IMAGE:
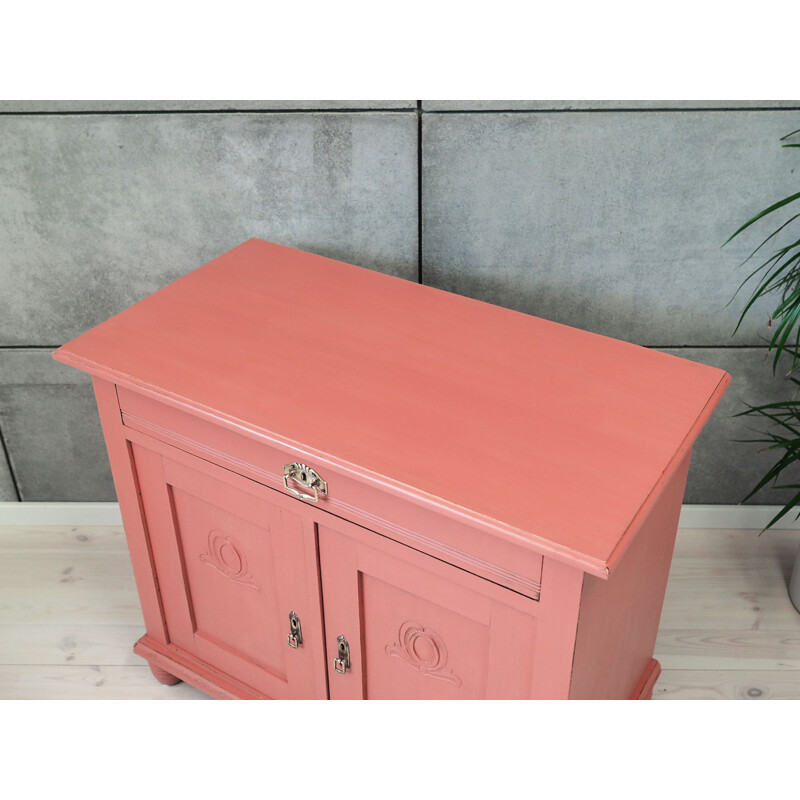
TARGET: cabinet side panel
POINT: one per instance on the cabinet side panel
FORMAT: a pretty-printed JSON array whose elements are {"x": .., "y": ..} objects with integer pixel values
[
  {"x": 618, "y": 620},
  {"x": 133, "y": 520}
]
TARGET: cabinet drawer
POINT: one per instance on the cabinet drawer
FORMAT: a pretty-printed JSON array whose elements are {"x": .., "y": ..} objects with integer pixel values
[{"x": 350, "y": 495}]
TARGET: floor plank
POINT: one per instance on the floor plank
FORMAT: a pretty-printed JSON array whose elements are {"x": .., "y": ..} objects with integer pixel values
[
  {"x": 70, "y": 538},
  {"x": 710, "y": 684},
  {"x": 734, "y": 609},
  {"x": 69, "y": 644},
  {"x": 84, "y": 682},
  {"x": 695, "y": 649},
  {"x": 718, "y": 544},
  {"x": 72, "y": 583}
]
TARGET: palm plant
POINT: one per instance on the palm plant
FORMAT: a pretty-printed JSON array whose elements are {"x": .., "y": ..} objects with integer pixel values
[{"x": 779, "y": 275}]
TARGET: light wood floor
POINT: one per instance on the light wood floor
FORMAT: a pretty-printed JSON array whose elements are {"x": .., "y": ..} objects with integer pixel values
[{"x": 69, "y": 615}]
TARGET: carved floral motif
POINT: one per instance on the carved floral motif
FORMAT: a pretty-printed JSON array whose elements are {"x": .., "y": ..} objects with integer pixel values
[
  {"x": 424, "y": 650},
  {"x": 226, "y": 557}
]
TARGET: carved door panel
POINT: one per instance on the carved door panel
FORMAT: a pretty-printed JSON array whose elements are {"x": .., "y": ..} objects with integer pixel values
[
  {"x": 418, "y": 628},
  {"x": 231, "y": 567}
]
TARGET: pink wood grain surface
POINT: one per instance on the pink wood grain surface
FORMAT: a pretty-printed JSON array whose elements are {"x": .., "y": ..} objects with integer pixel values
[
  {"x": 560, "y": 603},
  {"x": 619, "y": 618},
  {"x": 514, "y": 563},
  {"x": 421, "y": 629},
  {"x": 558, "y": 434},
  {"x": 231, "y": 567},
  {"x": 509, "y": 645},
  {"x": 127, "y": 488}
]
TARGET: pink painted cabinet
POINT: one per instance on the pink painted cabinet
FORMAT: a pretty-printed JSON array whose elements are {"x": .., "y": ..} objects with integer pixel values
[{"x": 335, "y": 483}]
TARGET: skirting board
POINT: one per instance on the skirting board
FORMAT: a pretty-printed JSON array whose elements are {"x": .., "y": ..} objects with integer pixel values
[
  {"x": 736, "y": 517},
  {"x": 692, "y": 516},
  {"x": 60, "y": 514}
]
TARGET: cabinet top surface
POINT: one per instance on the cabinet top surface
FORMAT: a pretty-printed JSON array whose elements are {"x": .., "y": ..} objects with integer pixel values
[{"x": 550, "y": 431}]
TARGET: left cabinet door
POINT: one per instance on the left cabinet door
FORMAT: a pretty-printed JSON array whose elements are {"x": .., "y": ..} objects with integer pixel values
[{"x": 231, "y": 568}]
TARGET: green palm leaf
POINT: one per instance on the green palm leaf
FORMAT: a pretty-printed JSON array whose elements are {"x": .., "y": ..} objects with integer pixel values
[
  {"x": 778, "y": 275},
  {"x": 774, "y": 207}
]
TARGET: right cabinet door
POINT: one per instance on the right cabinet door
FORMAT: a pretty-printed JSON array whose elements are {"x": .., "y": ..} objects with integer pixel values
[{"x": 418, "y": 628}]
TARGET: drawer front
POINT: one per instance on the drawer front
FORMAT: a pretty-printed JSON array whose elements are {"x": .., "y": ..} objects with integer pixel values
[{"x": 349, "y": 495}]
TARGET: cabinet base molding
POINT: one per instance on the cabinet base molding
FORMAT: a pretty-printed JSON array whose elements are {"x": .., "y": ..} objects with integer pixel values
[
  {"x": 644, "y": 689},
  {"x": 166, "y": 664},
  {"x": 185, "y": 668}
]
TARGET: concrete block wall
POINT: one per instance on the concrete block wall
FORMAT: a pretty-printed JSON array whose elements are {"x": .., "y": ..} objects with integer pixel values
[{"x": 603, "y": 215}]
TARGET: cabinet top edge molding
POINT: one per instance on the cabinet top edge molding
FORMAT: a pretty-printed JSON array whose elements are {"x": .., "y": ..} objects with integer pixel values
[{"x": 558, "y": 434}]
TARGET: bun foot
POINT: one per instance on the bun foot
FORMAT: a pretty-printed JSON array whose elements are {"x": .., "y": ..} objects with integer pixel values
[
  {"x": 644, "y": 691},
  {"x": 162, "y": 676}
]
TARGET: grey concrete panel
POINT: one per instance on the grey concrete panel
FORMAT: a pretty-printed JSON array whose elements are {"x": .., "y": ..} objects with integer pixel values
[
  {"x": 100, "y": 211},
  {"x": 608, "y": 222},
  {"x": 52, "y": 430},
  {"x": 75, "y": 106},
  {"x": 601, "y": 105},
  {"x": 7, "y": 490},
  {"x": 723, "y": 469}
]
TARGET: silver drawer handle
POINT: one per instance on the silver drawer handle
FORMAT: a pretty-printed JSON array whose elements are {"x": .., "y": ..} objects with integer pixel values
[{"x": 306, "y": 477}]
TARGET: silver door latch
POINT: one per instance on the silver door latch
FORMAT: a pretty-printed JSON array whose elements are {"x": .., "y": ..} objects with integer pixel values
[
  {"x": 342, "y": 663},
  {"x": 295, "y": 636}
]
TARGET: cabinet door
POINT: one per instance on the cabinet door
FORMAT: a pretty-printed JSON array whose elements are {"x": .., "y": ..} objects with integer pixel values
[
  {"x": 231, "y": 567},
  {"x": 418, "y": 628}
]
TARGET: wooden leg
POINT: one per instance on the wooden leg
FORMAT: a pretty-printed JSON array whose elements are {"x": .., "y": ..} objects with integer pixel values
[
  {"x": 644, "y": 691},
  {"x": 162, "y": 676}
]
